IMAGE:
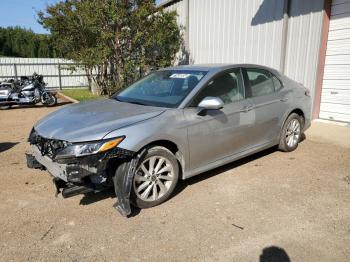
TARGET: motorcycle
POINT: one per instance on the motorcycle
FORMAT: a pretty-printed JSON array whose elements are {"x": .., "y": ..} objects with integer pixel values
[{"x": 26, "y": 91}]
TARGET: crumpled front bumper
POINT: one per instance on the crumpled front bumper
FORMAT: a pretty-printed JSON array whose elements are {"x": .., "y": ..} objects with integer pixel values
[
  {"x": 36, "y": 160},
  {"x": 76, "y": 169},
  {"x": 86, "y": 174}
]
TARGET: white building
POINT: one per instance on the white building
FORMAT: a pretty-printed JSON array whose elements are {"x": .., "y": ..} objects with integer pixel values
[{"x": 308, "y": 40}]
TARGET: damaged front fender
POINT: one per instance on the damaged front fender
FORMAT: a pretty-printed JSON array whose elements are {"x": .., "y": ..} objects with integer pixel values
[
  {"x": 123, "y": 180},
  {"x": 79, "y": 174}
]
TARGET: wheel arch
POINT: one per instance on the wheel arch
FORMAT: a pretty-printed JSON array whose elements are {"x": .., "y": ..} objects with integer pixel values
[
  {"x": 299, "y": 112},
  {"x": 173, "y": 148}
]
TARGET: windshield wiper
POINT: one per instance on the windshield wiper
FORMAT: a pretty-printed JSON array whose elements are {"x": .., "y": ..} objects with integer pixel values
[
  {"x": 131, "y": 102},
  {"x": 135, "y": 102},
  {"x": 116, "y": 98}
]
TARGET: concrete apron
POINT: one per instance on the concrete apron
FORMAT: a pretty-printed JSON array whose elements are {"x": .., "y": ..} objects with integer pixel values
[{"x": 324, "y": 131}]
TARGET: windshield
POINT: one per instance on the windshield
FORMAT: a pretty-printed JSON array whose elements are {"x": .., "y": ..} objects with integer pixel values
[{"x": 166, "y": 88}]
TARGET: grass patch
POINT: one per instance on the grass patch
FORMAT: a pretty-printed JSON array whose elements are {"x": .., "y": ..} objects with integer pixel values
[{"x": 80, "y": 94}]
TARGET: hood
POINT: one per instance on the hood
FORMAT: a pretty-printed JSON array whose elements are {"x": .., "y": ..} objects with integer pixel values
[{"x": 88, "y": 121}]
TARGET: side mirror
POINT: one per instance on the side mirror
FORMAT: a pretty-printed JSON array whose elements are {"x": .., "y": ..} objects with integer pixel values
[{"x": 211, "y": 102}]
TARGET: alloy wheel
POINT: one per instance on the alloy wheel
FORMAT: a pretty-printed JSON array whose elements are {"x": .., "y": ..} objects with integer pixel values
[
  {"x": 293, "y": 133},
  {"x": 153, "y": 178}
]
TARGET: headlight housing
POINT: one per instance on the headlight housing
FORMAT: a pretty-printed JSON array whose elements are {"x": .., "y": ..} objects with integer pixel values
[{"x": 89, "y": 148}]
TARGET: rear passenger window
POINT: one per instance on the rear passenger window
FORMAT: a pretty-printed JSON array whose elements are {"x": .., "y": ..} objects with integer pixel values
[{"x": 261, "y": 82}]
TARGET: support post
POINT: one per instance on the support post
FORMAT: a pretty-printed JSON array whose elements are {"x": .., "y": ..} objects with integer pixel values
[
  {"x": 321, "y": 59},
  {"x": 59, "y": 76},
  {"x": 187, "y": 25},
  {"x": 286, "y": 11},
  {"x": 187, "y": 32},
  {"x": 15, "y": 71}
]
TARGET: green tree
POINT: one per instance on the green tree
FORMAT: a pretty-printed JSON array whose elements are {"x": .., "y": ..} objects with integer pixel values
[
  {"x": 19, "y": 42},
  {"x": 117, "y": 41}
]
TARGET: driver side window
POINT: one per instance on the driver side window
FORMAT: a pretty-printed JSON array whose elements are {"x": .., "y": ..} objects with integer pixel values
[{"x": 227, "y": 86}]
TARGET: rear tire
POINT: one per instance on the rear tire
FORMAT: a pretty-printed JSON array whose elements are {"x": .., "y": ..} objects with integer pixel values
[
  {"x": 291, "y": 133},
  {"x": 156, "y": 177},
  {"x": 51, "y": 100}
]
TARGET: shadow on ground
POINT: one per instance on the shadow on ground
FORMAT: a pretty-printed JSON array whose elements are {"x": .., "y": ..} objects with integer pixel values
[
  {"x": 274, "y": 254},
  {"x": 91, "y": 198},
  {"x": 182, "y": 184},
  {"x": 6, "y": 146}
]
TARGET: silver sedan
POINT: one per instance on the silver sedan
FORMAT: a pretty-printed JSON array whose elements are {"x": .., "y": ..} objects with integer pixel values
[{"x": 173, "y": 124}]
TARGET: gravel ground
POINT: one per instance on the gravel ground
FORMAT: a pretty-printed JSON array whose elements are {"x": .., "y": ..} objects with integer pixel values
[{"x": 273, "y": 204}]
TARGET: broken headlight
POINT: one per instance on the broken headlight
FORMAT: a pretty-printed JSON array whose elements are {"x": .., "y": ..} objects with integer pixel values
[{"x": 89, "y": 148}]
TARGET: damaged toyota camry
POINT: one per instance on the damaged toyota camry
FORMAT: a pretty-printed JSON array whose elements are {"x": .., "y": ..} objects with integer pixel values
[{"x": 170, "y": 125}]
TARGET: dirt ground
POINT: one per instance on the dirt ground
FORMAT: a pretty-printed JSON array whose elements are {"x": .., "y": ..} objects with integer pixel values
[{"x": 292, "y": 206}]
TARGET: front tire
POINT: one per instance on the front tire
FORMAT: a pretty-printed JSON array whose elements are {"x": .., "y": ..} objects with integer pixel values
[
  {"x": 291, "y": 133},
  {"x": 155, "y": 179}
]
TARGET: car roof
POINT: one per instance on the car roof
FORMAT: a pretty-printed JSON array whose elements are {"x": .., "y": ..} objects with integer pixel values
[{"x": 217, "y": 67}]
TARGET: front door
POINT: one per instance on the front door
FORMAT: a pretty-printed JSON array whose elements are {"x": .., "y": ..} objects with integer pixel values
[{"x": 216, "y": 134}]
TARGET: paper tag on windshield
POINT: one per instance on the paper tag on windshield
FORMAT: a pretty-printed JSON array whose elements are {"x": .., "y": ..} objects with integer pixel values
[{"x": 180, "y": 75}]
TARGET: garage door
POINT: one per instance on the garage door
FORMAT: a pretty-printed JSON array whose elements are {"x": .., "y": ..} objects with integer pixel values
[{"x": 335, "y": 99}]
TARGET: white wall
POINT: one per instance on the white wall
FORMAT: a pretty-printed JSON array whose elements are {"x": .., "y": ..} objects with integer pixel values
[
  {"x": 250, "y": 31},
  {"x": 223, "y": 31},
  {"x": 303, "y": 42}
]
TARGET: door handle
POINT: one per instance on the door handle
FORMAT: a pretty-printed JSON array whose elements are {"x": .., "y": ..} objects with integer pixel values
[
  {"x": 284, "y": 99},
  {"x": 247, "y": 108}
]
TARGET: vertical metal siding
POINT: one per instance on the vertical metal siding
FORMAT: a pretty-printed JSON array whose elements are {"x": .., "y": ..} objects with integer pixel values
[
  {"x": 303, "y": 41},
  {"x": 335, "y": 98},
  {"x": 222, "y": 31},
  {"x": 179, "y": 7}
]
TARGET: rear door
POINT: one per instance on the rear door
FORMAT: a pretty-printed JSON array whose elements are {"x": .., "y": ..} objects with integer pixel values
[{"x": 270, "y": 104}]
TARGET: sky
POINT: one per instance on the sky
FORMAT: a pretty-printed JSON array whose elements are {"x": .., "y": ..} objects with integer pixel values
[{"x": 24, "y": 13}]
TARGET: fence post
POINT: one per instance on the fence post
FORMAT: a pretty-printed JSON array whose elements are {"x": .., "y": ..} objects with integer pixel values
[
  {"x": 59, "y": 76},
  {"x": 15, "y": 71}
]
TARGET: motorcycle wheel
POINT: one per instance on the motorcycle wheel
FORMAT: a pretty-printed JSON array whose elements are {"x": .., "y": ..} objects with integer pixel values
[
  {"x": 5, "y": 107},
  {"x": 50, "y": 100}
]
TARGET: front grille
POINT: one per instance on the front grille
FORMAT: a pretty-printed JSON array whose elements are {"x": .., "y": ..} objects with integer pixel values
[{"x": 47, "y": 146}]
